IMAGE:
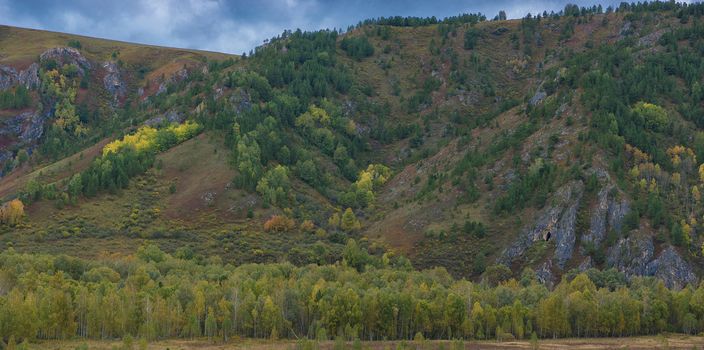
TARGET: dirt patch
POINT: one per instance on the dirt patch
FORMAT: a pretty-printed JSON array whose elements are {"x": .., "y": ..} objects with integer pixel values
[{"x": 200, "y": 176}]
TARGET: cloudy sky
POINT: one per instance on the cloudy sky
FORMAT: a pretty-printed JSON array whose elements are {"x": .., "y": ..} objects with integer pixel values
[{"x": 234, "y": 26}]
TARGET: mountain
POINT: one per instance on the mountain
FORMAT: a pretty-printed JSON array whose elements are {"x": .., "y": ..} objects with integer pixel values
[
  {"x": 409, "y": 178},
  {"x": 558, "y": 143}
]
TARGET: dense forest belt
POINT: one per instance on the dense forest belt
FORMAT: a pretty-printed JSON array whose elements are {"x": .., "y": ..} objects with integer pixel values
[{"x": 154, "y": 295}]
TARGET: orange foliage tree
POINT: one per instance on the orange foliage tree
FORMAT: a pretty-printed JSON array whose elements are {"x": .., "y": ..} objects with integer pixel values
[
  {"x": 12, "y": 212},
  {"x": 279, "y": 223}
]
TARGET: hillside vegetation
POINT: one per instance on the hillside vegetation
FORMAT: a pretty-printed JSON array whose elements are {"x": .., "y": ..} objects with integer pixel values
[{"x": 531, "y": 168}]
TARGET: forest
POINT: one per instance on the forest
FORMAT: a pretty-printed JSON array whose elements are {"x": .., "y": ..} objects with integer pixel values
[{"x": 155, "y": 295}]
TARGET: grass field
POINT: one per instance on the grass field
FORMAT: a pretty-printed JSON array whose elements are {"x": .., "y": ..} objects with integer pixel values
[{"x": 660, "y": 342}]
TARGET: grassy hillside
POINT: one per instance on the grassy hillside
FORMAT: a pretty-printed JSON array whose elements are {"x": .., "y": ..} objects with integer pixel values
[
  {"x": 21, "y": 47},
  {"x": 410, "y": 178},
  {"x": 483, "y": 125}
]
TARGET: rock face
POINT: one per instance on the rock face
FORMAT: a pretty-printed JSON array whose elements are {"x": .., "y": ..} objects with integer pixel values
[
  {"x": 8, "y": 77},
  {"x": 650, "y": 39},
  {"x": 586, "y": 264},
  {"x": 113, "y": 82},
  {"x": 208, "y": 198},
  {"x": 634, "y": 257},
  {"x": 66, "y": 55},
  {"x": 597, "y": 223},
  {"x": 33, "y": 128},
  {"x": 671, "y": 269},
  {"x": 626, "y": 29},
  {"x": 24, "y": 130},
  {"x": 241, "y": 101},
  {"x": 555, "y": 223},
  {"x": 631, "y": 255},
  {"x": 618, "y": 208},
  {"x": 28, "y": 127},
  {"x": 565, "y": 230},
  {"x": 544, "y": 274},
  {"x": 608, "y": 215},
  {"x": 538, "y": 97},
  {"x": 170, "y": 116},
  {"x": 179, "y": 76},
  {"x": 29, "y": 77}
]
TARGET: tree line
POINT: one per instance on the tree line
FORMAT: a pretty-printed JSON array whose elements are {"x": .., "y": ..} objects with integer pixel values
[
  {"x": 154, "y": 295},
  {"x": 120, "y": 161}
]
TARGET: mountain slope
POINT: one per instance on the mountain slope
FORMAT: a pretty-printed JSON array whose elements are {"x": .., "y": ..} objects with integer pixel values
[{"x": 554, "y": 143}]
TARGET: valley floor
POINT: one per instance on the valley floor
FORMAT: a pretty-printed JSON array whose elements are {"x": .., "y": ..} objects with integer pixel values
[{"x": 631, "y": 343}]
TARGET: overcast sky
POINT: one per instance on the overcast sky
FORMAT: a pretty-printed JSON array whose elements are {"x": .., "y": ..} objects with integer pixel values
[{"x": 235, "y": 26}]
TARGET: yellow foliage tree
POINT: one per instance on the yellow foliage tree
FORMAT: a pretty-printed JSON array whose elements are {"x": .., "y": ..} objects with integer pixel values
[
  {"x": 349, "y": 221},
  {"x": 12, "y": 212},
  {"x": 687, "y": 233},
  {"x": 315, "y": 116},
  {"x": 145, "y": 138},
  {"x": 334, "y": 220},
  {"x": 307, "y": 226},
  {"x": 695, "y": 193}
]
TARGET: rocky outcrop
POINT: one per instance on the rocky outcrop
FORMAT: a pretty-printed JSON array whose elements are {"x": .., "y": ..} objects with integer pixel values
[
  {"x": 586, "y": 264},
  {"x": 607, "y": 215},
  {"x": 538, "y": 97},
  {"x": 597, "y": 223},
  {"x": 33, "y": 128},
  {"x": 544, "y": 274},
  {"x": 557, "y": 223},
  {"x": 113, "y": 82},
  {"x": 626, "y": 29},
  {"x": 29, "y": 77},
  {"x": 170, "y": 117},
  {"x": 633, "y": 256},
  {"x": 208, "y": 198},
  {"x": 349, "y": 108},
  {"x": 8, "y": 77},
  {"x": 66, "y": 55},
  {"x": 219, "y": 93},
  {"x": 611, "y": 207},
  {"x": 23, "y": 130},
  {"x": 468, "y": 98},
  {"x": 179, "y": 76},
  {"x": 5, "y": 156},
  {"x": 241, "y": 101},
  {"x": 161, "y": 89},
  {"x": 671, "y": 269},
  {"x": 565, "y": 231},
  {"x": 27, "y": 127},
  {"x": 618, "y": 208},
  {"x": 650, "y": 39},
  {"x": 13, "y": 126}
]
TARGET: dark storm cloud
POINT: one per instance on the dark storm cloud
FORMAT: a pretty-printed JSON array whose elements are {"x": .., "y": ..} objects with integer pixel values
[{"x": 232, "y": 26}]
